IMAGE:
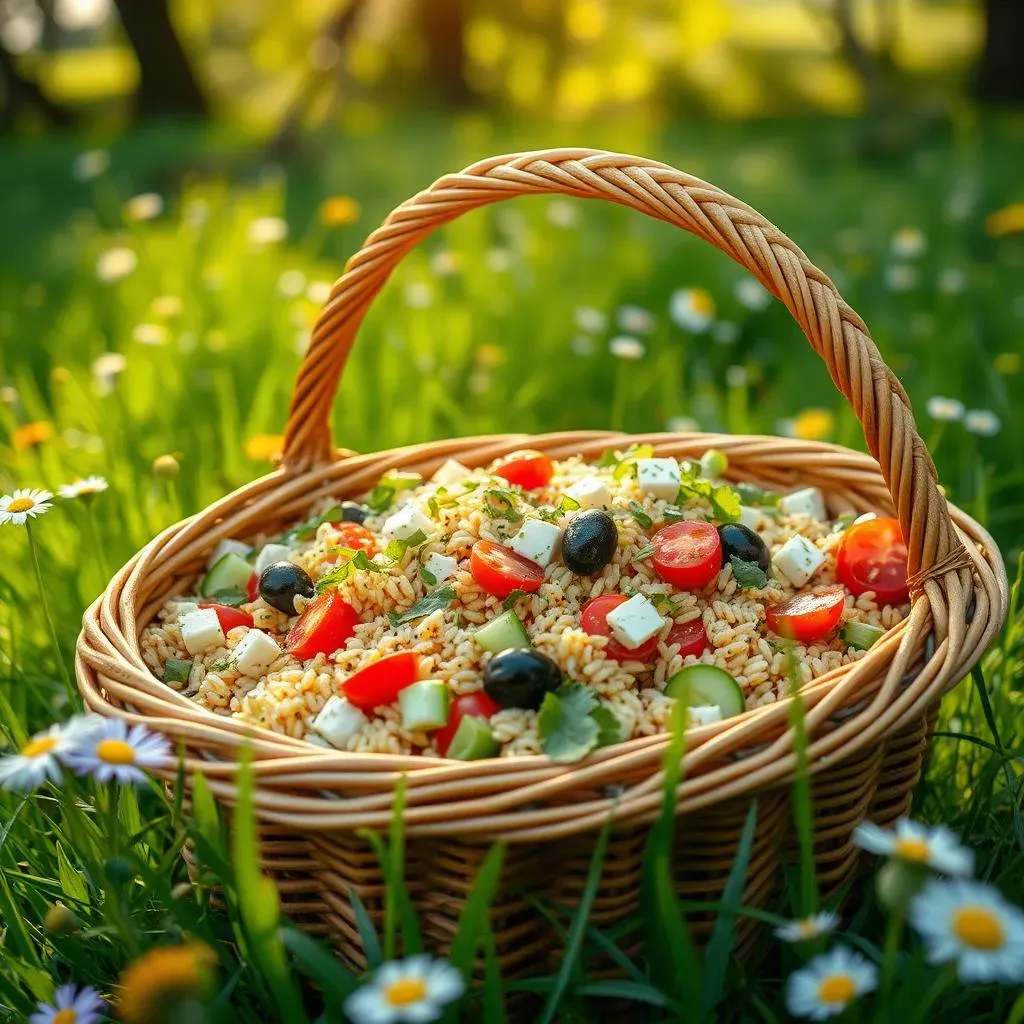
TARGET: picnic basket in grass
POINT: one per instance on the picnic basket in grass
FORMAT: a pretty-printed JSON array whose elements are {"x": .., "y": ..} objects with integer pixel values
[{"x": 868, "y": 723}]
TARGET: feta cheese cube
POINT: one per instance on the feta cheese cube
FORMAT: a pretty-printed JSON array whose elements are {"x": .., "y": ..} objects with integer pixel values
[
  {"x": 201, "y": 629},
  {"x": 808, "y": 502},
  {"x": 255, "y": 653},
  {"x": 406, "y": 523},
  {"x": 339, "y": 721},
  {"x": 536, "y": 540},
  {"x": 635, "y": 621},
  {"x": 658, "y": 477},
  {"x": 440, "y": 566},
  {"x": 751, "y": 518},
  {"x": 590, "y": 492},
  {"x": 183, "y": 608},
  {"x": 450, "y": 472},
  {"x": 798, "y": 560},
  {"x": 270, "y": 554},
  {"x": 227, "y": 547},
  {"x": 705, "y": 714}
]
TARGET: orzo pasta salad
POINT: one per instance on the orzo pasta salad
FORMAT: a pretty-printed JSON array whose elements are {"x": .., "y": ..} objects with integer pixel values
[{"x": 531, "y": 606}]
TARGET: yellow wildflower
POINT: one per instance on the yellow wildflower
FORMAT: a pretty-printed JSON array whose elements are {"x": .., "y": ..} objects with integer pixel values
[
  {"x": 264, "y": 447},
  {"x": 31, "y": 435},
  {"x": 152, "y": 988},
  {"x": 814, "y": 424},
  {"x": 337, "y": 211},
  {"x": 1008, "y": 363},
  {"x": 1007, "y": 221}
]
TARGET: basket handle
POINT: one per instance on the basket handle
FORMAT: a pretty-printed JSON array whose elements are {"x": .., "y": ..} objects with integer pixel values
[{"x": 834, "y": 330}]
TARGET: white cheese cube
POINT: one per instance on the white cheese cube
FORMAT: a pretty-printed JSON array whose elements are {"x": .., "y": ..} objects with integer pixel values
[
  {"x": 406, "y": 523},
  {"x": 705, "y": 714},
  {"x": 537, "y": 541},
  {"x": 183, "y": 608},
  {"x": 201, "y": 629},
  {"x": 450, "y": 472},
  {"x": 339, "y": 721},
  {"x": 798, "y": 560},
  {"x": 270, "y": 554},
  {"x": 440, "y": 566},
  {"x": 634, "y": 622},
  {"x": 751, "y": 518},
  {"x": 658, "y": 477},
  {"x": 590, "y": 492},
  {"x": 227, "y": 547},
  {"x": 255, "y": 653},
  {"x": 808, "y": 502}
]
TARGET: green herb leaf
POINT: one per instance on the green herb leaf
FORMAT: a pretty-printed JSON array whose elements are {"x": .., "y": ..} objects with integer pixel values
[
  {"x": 230, "y": 596},
  {"x": 749, "y": 575},
  {"x": 547, "y": 513},
  {"x": 427, "y": 576},
  {"x": 640, "y": 515},
  {"x": 567, "y": 730},
  {"x": 424, "y": 606},
  {"x": 645, "y": 552},
  {"x": 673, "y": 514},
  {"x": 751, "y": 494},
  {"x": 609, "y": 727},
  {"x": 501, "y": 504},
  {"x": 665, "y": 603},
  {"x": 845, "y": 520},
  {"x": 382, "y": 497},
  {"x": 628, "y": 463},
  {"x": 176, "y": 670},
  {"x": 397, "y": 548},
  {"x": 567, "y": 504},
  {"x": 307, "y": 530},
  {"x": 510, "y": 601},
  {"x": 724, "y": 500},
  {"x": 333, "y": 578}
]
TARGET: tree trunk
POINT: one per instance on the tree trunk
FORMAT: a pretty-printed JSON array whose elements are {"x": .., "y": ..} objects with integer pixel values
[
  {"x": 442, "y": 24},
  {"x": 167, "y": 84},
  {"x": 1000, "y": 76},
  {"x": 21, "y": 93}
]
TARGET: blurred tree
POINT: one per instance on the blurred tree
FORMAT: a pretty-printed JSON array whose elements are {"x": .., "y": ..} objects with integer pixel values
[
  {"x": 20, "y": 95},
  {"x": 1000, "y": 76},
  {"x": 442, "y": 26}
]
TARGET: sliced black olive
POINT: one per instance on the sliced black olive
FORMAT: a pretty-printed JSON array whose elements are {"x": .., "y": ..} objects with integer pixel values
[
  {"x": 353, "y": 512},
  {"x": 589, "y": 542},
  {"x": 282, "y": 582},
  {"x": 521, "y": 678},
  {"x": 745, "y": 544}
]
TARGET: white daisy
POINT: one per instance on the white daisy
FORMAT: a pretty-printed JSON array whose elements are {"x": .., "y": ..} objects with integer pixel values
[
  {"x": 812, "y": 927},
  {"x": 635, "y": 320},
  {"x": 445, "y": 263},
  {"x": 947, "y": 410},
  {"x": 83, "y": 488},
  {"x": 829, "y": 984},
  {"x": 166, "y": 306},
  {"x": 418, "y": 295},
  {"x": 416, "y": 989},
  {"x": 974, "y": 925},
  {"x": 319, "y": 292},
  {"x": 901, "y": 277},
  {"x": 150, "y": 334},
  {"x": 146, "y": 206},
  {"x": 693, "y": 309},
  {"x": 908, "y": 243},
  {"x": 935, "y": 847},
  {"x": 590, "y": 320},
  {"x": 115, "y": 751},
  {"x": 625, "y": 347},
  {"x": 268, "y": 230},
  {"x": 24, "y": 503},
  {"x": 116, "y": 263},
  {"x": 36, "y": 762},
  {"x": 982, "y": 422},
  {"x": 71, "y": 1005},
  {"x": 562, "y": 213},
  {"x": 291, "y": 283},
  {"x": 752, "y": 294},
  {"x": 90, "y": 164}
]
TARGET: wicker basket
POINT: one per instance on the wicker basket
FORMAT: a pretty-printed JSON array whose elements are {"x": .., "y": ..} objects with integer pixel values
[{"x": 868, "y": 722}]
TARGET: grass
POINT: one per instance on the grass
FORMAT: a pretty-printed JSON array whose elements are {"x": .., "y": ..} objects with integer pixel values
[{"x": 476, "y": 333}]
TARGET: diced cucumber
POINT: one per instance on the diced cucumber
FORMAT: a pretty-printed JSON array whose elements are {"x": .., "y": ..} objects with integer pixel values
[
  {"x": 861, "y": 635},
  {"x": 501, "y": 633},
  {"x": 705, "y": 685},
  {"x": 473, "y": 740},
  {"x": 176, "y": 670},
  {"x": 424, "y": 705},
  {"x": 230, "y": 571}
]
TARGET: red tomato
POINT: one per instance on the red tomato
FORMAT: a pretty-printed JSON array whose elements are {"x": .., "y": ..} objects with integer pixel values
[
  {"x": 872, "y": 556},
  {"x": 528, "y": 470},
  {"x": 252, "y": 588},
  {"x": 499, "y": 570},
  {"x": 355, "y": 536},
  {"x": 687, "y": 554},
  {"x": 594, "y": 620},
  {"x": 470, "y": 705},
  {"x": 379, "y": 683},
  {"x": 227, "y": 616},
  {"x": 691, "y": 637},
  {"x": 323, "y": 627},
  {"x": 807, "y": 616}
]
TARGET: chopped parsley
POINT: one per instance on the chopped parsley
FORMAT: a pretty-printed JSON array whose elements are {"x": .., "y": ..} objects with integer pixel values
[
  {"x": 501, "y": 504},
  {"x": 571, "y": 723},
  {"x": 645, "y": 552},
  {"x": 397, "y": 548},
  {"x": 357, "y": 559},
  {"x": 748, "y": 575},
  {"x": 230, "y": 596},
  {"x": 723, "y": 499},
  {"x": 427, "y": 576},
  {"x": 424, "y": 606},
  {"x": 510, "y": 601},
  {"x": 640, "y": 515},
  {"x": 627, "y": 465},
  {"x": 751, "y": 494},
  {"x": 307, "y": 530},
  {"x": 177, "y": 671}
]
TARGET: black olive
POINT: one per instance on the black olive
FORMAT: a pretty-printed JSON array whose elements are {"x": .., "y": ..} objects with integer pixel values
[
  {"x": 519, "y": 678},
  {"x": 353, "y": 512},
  {"x": 282, "y": 582},
  {"x": 589, "y": 541},
  {"x": 747, "y": 546}
]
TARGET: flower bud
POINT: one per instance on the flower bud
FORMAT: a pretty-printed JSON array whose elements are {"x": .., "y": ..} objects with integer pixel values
[
  {"x": 60, "y": 921},
  {"x": 166, "y": 466}
]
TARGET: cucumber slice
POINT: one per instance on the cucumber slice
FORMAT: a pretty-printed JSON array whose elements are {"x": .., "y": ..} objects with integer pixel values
[
  {"x": 501, "y": 633},
  {"x": 473, "y": 740},
  {"x": 861, "y": 635},
  {"x": 424, "y": 705},
  {"x": 176, "y": 670},
  {"x": 230, "y": 571},
  {"x": 704, "y": 685}
]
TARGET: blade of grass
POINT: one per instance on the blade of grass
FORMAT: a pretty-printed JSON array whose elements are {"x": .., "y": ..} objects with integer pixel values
[
  {"x": 367, "y": 933},
  {"x": 803, "y": 811},
  {"x": 474, "y": 917}
]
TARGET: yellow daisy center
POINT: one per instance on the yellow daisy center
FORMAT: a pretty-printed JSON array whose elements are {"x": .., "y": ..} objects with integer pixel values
[
  {"x": 405, "y": 991},
  {"x": 916, "y": 850},
  {"x": 837, "y": 989},
  {"x": 115, "y": 752},
  {"x": 807, "y": 928},
  {"x": 702, "y": 303},
  {"x": 39, "y": 747},
  {"x": 65, "y": 1017},
  {"x": 21, "y": 505},
  {"x": 979, "y": 928}
]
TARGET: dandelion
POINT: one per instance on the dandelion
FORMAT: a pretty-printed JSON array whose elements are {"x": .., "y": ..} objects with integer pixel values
[
  {"x": 268, "y": 230},
  {"x": 973, "y": 925},
  {"x": 934, "y": 847},
  {"x": 982, "y": 422},
  {"x": 154, "y": 985},
  {"x": 146, "y": 206},
  {"x": 24, "y": 504},
  {"x": 71, "y": 1005},
  {"x": 752, "y": 294},
  {"x": 38, "y": 760},
  {"x": 693, "y": 309},
  {"x": 264, "y": 447},
  {"x": 150, "y": 334},
  {"x": 90, "y": 164},
  {"x": 582, "y": 345},
  {"x": 115, "y": 751},
  {"x": 562, "y": 214},
  {"x": 418, "y": 295},
  {"x": 415, "y": 989},
  {"x": 590, "y": 320},
  {"x": 1008, "y": 363},
  {"x": 116, "y": 263},
  {"x": 31, "y": 435},
  {"x": 812, "y": 927},
  {"x": 1007, "y": 221},
  {"x": 319, "y": 292},
  {"x": 339, "y": 211},
  {"x": 165, "y": 307},
  {"x": 635, "y": 320},
  {"x": 908, "y": 243},
  {"x": 952, "y": 281},
  {"x": 624, "y": 347},
  {"x": 87, "y": 488},
  {"x": 444, "y": 262},
  {"x": 291, "y": 283},
  {"x": 813, "y": 424},
  {"x": 901, "y": 277},
  {"x": 829, "y": 984}
]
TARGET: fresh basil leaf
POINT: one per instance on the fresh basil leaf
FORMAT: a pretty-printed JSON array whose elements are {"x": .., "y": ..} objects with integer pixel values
[
  {"x": 501, "y": 504},
  {"x": 566, "y": 728},
  {"x": 230, "y": 596},
  {"x": 665, "y": 603},
  {"x": 176, "y": 670},
  {"x": 510, "y": 601},
  {"x": 397, "y": 548},
  {"x": 640, "y": 515},
  {"x": 628, "y": 463},
  {"x": 609, "y": 727},
  {"x": 361, "y": 560},
  {"x": 424, "y": 606},
  {"x": 608, "y": 459},
  {"x": 307, "y": 530},
  {"x": 645, "y": 552},
  {"x": 382, "y": 497},
  {"x": 723, "y": 499},
  {"x": 567, "y": 504},
  {"x": 751, "y": 494},
  {"x": 427, "y": 576},
  {"x": 749, "y": 575},
  {"x": 333, "y": 578}
]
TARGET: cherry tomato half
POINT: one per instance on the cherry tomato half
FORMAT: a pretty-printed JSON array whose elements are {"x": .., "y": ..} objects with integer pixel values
[
  {"x": 873, "y": 556},
  {"x": 687, "y": 554},
  {"x": 529, "y": 470},
  {"x": 252, "y": 588},
  {"x": 227, "y": 616},
  {"x": 691, "y": 637},
  {"x": 594, "y": 620},
  {"x": 807, "y": 616},
  {"x": 499, "y": 570},
  {"x": 355, "y": 536},
  {"x": 469, "y": 705},
  {"x": 379, "y": 683},
  {"x": 323, "y": 627}
]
